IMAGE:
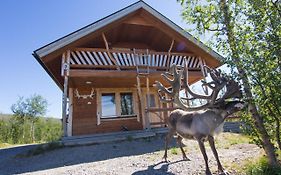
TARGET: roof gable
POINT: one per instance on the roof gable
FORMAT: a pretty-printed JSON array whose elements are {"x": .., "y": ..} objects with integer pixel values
[{"x": 72, "y": 37}]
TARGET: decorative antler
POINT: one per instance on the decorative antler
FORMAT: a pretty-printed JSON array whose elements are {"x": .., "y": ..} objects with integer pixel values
[
  {"x": 178, "y": 80},
  {"x": 91, "y": 95}
]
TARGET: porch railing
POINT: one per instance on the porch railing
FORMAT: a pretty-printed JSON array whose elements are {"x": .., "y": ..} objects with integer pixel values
[{"x": 110, "y": 59}]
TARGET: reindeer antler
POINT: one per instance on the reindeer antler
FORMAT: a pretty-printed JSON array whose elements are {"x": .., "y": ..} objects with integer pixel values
[{"x": 178, "y": 80}]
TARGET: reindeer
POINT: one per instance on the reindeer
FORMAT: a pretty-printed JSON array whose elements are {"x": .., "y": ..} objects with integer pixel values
[{"x": 201, "y": 122}]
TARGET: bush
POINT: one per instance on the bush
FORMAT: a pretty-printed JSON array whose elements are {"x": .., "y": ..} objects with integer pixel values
[
  {"x": 13, "y": 131},
  {"x": 262, "y": 167}
]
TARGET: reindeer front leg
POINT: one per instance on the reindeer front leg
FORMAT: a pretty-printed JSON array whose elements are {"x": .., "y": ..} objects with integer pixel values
[
  {"x": 203, "y": 151},
  {"x": 212, "y": 144}
]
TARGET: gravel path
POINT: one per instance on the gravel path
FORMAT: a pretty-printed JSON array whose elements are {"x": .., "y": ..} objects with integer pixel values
[{"x": 136, "y": 157}]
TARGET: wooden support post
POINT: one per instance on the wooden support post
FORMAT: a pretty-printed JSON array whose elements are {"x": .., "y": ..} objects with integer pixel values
[
  {"x": 70, "y": 106},
  {"x": 148, "y": 103},
  {"x": 204, "y": 75},
  {"x": 169, "y": 55},
  {"x": 108, "y": 52},
  {"x": 65, "y": 91},
  {"x": 142, "y": 107}
]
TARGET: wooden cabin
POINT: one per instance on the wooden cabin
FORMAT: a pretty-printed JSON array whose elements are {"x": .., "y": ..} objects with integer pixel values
[{"x": 107, "y": 69}]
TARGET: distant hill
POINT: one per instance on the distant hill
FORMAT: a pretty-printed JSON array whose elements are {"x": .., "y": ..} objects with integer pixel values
[
  {"x": 8, "y": 116},
  {"x": 5, "y": 116}
]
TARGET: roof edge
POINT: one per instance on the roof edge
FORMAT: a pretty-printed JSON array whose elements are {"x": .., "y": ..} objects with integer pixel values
[
  {"x": 46, "y": 69},
  {"x": 63, "y": 41}
]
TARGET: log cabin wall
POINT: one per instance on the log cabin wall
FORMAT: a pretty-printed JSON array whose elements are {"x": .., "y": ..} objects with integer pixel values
[{"x": 85, "y": 119}]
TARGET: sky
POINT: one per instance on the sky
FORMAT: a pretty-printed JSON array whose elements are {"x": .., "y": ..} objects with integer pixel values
[{"x": 30, "y": 24}]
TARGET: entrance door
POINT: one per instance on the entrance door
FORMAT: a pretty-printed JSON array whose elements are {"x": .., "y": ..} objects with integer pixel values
[{"x": 155, "y": 118}]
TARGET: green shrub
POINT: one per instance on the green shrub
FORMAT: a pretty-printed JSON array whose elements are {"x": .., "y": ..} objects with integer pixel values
[
  {"x": 262, "y": 167},
  {"x": 15, "y": 131}
]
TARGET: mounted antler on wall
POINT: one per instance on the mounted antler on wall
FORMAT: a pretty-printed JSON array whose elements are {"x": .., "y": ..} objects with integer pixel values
[{"x": 85, "y": 96}]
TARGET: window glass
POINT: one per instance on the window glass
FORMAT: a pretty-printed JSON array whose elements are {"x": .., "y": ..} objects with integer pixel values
[
  {"x": 151, "y": 99},
  {"x": 108, "y": 105},
  {"x": 127, "y": 104}
]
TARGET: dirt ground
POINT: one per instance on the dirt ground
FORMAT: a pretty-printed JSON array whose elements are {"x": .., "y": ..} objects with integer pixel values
[{"x": 137, "y": 157}]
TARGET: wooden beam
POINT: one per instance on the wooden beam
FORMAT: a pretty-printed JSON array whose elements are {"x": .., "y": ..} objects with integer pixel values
[
  {"x": 148, "y": 102},
  {"x": 117, "y": 74},
  {"x": 64, "y": 97},
  {"x": 141, "y": 102},
  {"x": 169, "y": 54},
  {"x": 108, "y": 52},
  {"x": 105, "y": 41}
]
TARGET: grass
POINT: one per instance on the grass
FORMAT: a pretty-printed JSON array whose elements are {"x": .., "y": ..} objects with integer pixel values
[
  {"x": 174, "y": 150},
  {"x": 6, "y": 145},
  {"x": 261, "y": 167},
  {"x": 225, "y": 140}
]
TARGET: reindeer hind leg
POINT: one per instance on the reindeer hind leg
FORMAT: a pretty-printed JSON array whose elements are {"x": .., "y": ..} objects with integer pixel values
[
  {"x": 170, "y": 134},
  {"x": 179, "y": 140}
]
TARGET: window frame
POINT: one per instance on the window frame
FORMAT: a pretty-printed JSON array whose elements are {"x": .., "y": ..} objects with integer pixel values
[{"x": 118, "y": 115}]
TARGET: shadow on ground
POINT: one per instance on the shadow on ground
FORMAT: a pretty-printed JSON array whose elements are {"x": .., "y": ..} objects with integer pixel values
[
  {"x": 153, "y": 170},
  {"x": 68, "y": 156}
]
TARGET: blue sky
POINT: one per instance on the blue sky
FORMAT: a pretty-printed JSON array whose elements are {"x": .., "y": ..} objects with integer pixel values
[{"x": 30, "y": 24}]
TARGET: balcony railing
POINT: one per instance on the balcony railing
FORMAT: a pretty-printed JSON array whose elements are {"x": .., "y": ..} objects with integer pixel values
[{"x": 123, "y": 59}]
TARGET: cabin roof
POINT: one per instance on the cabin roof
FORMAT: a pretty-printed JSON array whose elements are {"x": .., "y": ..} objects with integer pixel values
[
  {"x": 48, "y": 55},
  {"x": 63, "y": 41}
]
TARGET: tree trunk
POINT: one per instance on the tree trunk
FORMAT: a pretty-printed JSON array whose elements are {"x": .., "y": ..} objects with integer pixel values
[{"x": 267, "y": 145}]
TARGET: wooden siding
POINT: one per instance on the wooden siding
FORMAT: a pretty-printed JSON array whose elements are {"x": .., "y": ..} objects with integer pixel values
[{"x": 84, "y": 119}]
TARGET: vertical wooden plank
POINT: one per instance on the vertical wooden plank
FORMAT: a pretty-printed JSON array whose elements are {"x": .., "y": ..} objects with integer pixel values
[
  {"x": 142, "y": 107},
  {"x": 148, "y": 103},
  {"x": 204, "y": 75},
  {"x": 64, "y": 96},
  {"x": 98, "y": 106},
  {"x": 69, "y": 119},
  {"x": 62, "y": 64}
]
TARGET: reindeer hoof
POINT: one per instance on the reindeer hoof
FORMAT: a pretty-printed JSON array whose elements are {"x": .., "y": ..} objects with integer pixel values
[
  {"x": 185, "y": 158},
  {"x": 208, "y": 172},
  {"x": 164, "y": 159}
]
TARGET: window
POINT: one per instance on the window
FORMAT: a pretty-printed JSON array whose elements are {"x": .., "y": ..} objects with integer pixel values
[
  {"x": 151, "y": 99},
  {"x": 108, "y": 105},
  {"x": 117, "y": 105},
  {"x": 127, "y": 104}
]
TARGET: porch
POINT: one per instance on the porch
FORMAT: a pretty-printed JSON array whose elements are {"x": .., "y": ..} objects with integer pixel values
[
  {"x": 121, "y": 70},
  {"x": 112, "y": 137}
]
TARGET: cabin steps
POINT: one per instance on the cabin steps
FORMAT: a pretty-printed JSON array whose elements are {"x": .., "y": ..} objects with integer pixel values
[{"x": 111, "y": 137}]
